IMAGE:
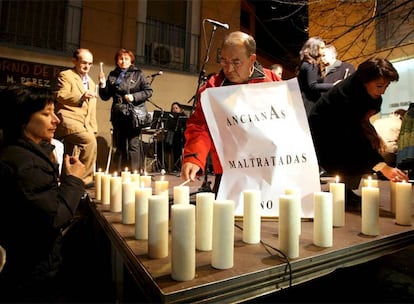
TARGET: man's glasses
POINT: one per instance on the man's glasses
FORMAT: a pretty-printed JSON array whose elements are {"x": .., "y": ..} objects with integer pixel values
[{"x": 235, "y": 63}]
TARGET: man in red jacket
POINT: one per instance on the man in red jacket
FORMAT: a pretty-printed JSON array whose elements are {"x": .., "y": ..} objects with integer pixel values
[{"x": 238, "y": 66}]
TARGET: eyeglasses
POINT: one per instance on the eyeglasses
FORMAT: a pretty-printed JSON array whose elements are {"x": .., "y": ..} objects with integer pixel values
[
  {"x": 86, "y": 63},
  {"x": 236, "y": 63}
]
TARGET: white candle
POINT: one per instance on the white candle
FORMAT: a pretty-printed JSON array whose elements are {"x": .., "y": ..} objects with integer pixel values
[
  {"x": 181, "y": 195},
  {"x": 183, "y": 242},
  {"x": 204, "y": 220},
  {"x": 322, "y": 221},
  {"x": 116, "y": 193},
  {"x": 105, "y": 194},
  {"x": 98, "y": 184},
  {"x": 338, "y": 200},
  {"x": 222, "y": 255},
  {"x": 288, "y": 228},
  {"x": 135, "y": 177},
  {"x": 370, "y": 210},
  {"x": 161, "y": 187},
  {"x": 145, "y": 181},
  {"x": 126, "y": 175},
  {"x": 392, "y": 196},
  {"x": 251, "y": 216},
  {"x": 128, "y": 202},
  {"x": 158, "y": 226},
  {"x": 369, "y": 182},
  {"x": 403, "y": 198},
  {"x": 141, "y": 212},
  {"x": 298, "y": 206}
]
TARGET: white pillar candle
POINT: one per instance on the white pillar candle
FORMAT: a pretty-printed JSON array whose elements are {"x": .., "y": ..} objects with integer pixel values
[
  {"x": 288, "y": 228},
  {"x": 141, "y": 212},
  {"x": 145, "y": 181},
  {"x": 135, "y": 177},
  {"x": 392, "y": 196},
  {"x": 98, "y": 184},
  {"x": 322, "y": 221},
  {"x": 370, "y": 211},
  {"x": 338, "y": 200},
  {"x": 403, "y": 193},
  {"x": 251, "y": 216},
  {"x": 105, "y": 193},
  {"x": 183, "y": 242},
  {"x": 222, "y": 255},
  {"x": 181, "y": 195},
  {"x": 158, "y": 226},
  {"x": 116, "y": 193},
  {"x": 298, "y": 206},
  {"x": 126, "y": 175},
  {"x": 369, "y": 182},
  {"x": 128, "y": 202},
  {"x": 204, "y": 220},
  {"x": 161, "y": 187}
]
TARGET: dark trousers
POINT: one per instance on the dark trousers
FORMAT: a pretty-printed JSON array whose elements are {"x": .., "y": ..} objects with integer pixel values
[{"x": 128, "y": 150}]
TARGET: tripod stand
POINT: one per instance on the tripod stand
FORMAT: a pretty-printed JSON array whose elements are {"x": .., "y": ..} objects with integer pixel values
[{"x": 159, "y": 132}]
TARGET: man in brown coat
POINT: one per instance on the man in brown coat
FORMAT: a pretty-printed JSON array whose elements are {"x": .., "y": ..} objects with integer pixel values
[{"x": 76, "y": 108}]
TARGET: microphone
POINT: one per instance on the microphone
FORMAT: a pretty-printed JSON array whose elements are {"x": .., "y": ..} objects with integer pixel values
[
  {"x": 156, "y": 74},
  {"x": 219, "y": 24}
]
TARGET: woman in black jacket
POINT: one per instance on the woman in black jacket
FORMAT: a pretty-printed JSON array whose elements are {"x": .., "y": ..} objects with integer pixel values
[
  {"x": 36, "y": 204},
  {"x": 126, "y": 84},
  {"x": 346, "y": 143}
]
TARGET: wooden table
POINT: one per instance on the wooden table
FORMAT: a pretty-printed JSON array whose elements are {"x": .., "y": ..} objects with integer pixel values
[{"x": 258, "y": 269}]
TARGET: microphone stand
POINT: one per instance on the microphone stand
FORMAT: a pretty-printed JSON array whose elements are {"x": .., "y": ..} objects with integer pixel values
[{"x": 206, "y": 186}]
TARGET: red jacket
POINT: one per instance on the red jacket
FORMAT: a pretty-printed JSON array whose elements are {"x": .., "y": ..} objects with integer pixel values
[{"x": 198, "y": 141}]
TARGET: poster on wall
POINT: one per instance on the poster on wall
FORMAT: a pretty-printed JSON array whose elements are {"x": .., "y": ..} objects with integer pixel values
[{"x": 13, "y": 71}]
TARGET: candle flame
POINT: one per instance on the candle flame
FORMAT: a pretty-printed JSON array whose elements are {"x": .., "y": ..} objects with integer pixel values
[
  {"x": 337, "y": 179},
  {"x": 115, "y": 173}
]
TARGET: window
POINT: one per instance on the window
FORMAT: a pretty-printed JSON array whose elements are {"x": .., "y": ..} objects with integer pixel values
[{"x": 44, "y": 24}]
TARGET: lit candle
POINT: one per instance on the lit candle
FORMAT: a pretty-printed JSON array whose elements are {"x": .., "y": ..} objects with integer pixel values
[
  {"x": 128, "y": 202},
  {"x": 141, "y": 212},
  {"x": 392, "y": 196},
  {"x": 204, "y": 220},
  {"x": 145, "y": 181},
  {"x": 251, "y": 216},
  {"x": 101, "y": 67},
  {"x": 126, "y": 175},
  {"x": 135, "y": 176},
  {"x": 181, "y": 195},
  {"x": 105, "y": 194},
  {"x": 338, "y": 200},
  {"x": 369, "y": 182},
  {"x": 298, "y": 206},
  {"x": 98, "y": 184},
  {"x": 222, "y": 254},
  {"x": 370, "y": 210},
  {"x": 322, "y": 221},
  {"x": 403, "y": 199},
  {"x": 116, "y": 193},
  {"x": 158, "y": 226},
  {"x": 183, "y": 242},
  {"x": 161, "y": 187},
  {"x": 288, "y": 228}
]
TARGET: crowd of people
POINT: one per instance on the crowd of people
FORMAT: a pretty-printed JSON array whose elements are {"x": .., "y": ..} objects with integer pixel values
[{"x": 47, "y": 189}]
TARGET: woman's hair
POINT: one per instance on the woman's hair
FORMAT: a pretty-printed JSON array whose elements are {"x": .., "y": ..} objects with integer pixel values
[
  {"x": 20, "y": 102},
  {"x": 375, "y": 68},
  {"x": 240, "y": 39},
  {"x": 124, "y": 52},
  {"x": 177, "y": 104},
  {"x": 310, "y": 50}
]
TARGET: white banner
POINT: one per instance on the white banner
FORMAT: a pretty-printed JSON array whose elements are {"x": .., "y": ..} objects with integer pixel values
[{"x": 263, "y": 140}]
